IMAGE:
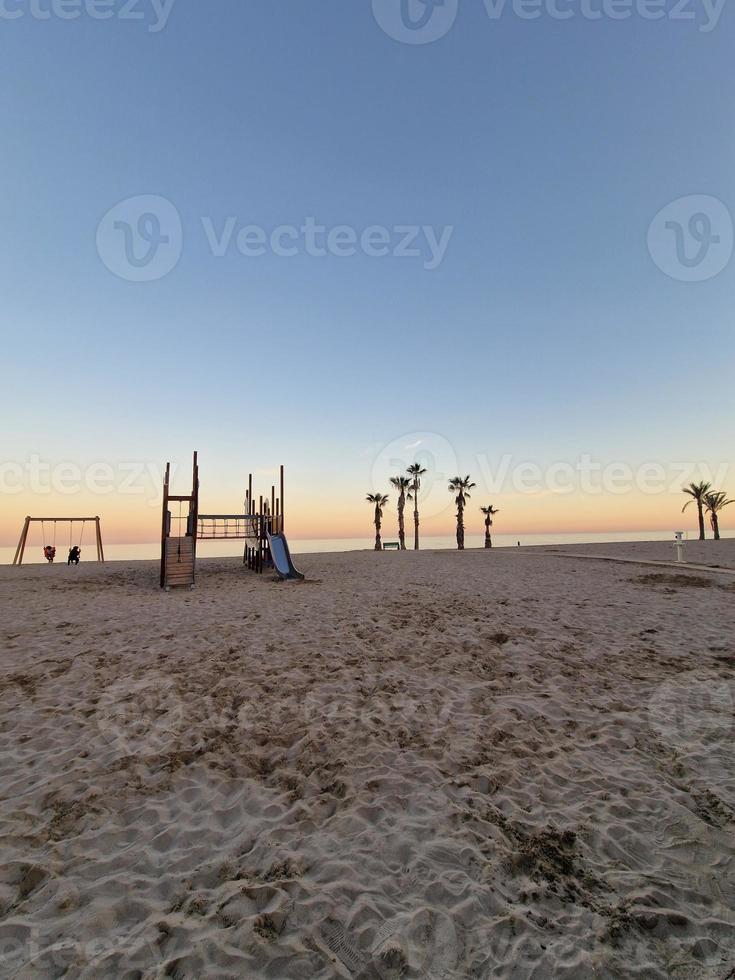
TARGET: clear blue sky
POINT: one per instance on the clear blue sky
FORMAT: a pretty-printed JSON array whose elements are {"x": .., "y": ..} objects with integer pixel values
[{"x": 546, "y": 331}]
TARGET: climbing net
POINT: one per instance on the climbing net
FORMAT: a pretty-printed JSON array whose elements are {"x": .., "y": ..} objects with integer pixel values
[{"x": 217, "y": 527}]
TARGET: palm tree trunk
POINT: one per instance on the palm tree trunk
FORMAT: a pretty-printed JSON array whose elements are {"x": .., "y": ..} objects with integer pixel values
[
  {"x": 416, "y": 515},
  {"x": 488, "y": 539},
  {"x": 715, "y": 521},
  {"x": 700, "y": 515},
  {"x": 378, "y": 543},
  {"x": 460, "y": 527},
  {"x": 401, "y": 522}
]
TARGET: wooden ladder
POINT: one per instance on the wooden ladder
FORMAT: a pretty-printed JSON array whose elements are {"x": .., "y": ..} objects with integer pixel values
[{"x": 179, "y": 561}]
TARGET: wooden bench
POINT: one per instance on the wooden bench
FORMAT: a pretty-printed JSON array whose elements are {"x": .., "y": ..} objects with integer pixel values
[{"x": 391, "y": 546}]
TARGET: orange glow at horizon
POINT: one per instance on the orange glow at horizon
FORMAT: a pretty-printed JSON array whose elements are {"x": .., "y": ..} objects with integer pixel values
[{"x": 136, "y": 519}]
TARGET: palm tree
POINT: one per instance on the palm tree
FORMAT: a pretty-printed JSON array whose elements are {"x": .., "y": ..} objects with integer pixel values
[
  {"x": 697, "y": 491},
  {"x": 714, "y": 502},
  {"x": 461, "y": 486},
  {"x": 489, "y": 511},
  {"x": 402, "y": 484},
  {"x": 380, "y": 500},
  {"x": 416, "y": 471}
]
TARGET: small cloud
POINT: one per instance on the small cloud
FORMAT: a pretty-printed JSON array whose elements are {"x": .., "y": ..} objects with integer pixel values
[{"x": 414, "y": 445}]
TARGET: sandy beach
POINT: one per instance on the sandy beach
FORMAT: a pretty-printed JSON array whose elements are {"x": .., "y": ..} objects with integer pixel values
[{"x": 511, "y": 763}]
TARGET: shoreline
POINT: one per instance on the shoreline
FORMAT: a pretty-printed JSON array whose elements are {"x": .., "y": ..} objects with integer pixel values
[
  {"x": 697, "y": 553},
  {"x": 150, "y": 551}
]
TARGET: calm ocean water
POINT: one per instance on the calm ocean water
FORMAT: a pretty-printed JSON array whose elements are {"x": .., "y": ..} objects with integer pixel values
[{"x": 220, "y": 549}]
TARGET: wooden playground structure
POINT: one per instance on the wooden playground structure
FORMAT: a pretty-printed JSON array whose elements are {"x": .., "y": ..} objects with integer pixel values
[
  {"x": 257, "y": 526},
  {"x": 71, "y": 521}
]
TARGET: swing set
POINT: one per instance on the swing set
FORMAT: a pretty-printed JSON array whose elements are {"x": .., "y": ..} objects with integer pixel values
[{"x": 71, "y": 521}]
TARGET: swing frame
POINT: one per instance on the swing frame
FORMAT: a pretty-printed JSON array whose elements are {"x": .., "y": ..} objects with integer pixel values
[{"x": 71, "y": 521}]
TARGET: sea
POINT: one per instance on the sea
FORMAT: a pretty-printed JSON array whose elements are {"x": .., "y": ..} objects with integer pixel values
[{"x": 300, "y": 546}]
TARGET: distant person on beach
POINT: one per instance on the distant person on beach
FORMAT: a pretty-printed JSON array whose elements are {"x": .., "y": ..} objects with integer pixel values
[
  {"x": 74, "y": 555},
  {"x": 49, "y": 553},
  {"x": 519, "y": 544}
]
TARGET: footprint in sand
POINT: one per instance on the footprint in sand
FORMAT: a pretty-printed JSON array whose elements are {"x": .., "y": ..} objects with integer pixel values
[{"x": 425, "y": 942}]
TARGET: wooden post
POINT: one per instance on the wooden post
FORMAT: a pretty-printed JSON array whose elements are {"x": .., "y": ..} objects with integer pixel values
[
  {"x": 100, "y": 550},
  {"x": 283, "y": 506},
  {"x": 18, "y": 559},
  {"x": 194, "y": 511},
  {"x": 260, "y": 534},
  {"x": 163, "y": 524}
]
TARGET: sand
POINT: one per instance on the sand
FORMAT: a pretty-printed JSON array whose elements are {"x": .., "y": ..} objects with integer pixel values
[{"x": 491, "y": 764}]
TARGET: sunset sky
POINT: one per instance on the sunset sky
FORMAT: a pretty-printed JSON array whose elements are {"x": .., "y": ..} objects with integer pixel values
[{"x": 544, "y": 333}]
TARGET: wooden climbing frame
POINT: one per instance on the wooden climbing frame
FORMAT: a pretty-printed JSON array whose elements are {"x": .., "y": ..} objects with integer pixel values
[{"x": 253, "y": 525}]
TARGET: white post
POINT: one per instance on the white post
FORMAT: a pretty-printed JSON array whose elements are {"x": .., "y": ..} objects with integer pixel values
[{"x": 679, "y": 545}]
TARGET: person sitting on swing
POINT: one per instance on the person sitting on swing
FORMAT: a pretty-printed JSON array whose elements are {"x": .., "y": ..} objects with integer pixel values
[
  {"x": 49, "y": 553},
  {"x": 74, "y": 555}
]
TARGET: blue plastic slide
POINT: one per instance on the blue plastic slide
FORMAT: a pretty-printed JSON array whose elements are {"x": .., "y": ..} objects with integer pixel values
[{"x": 282, "y": 557}]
